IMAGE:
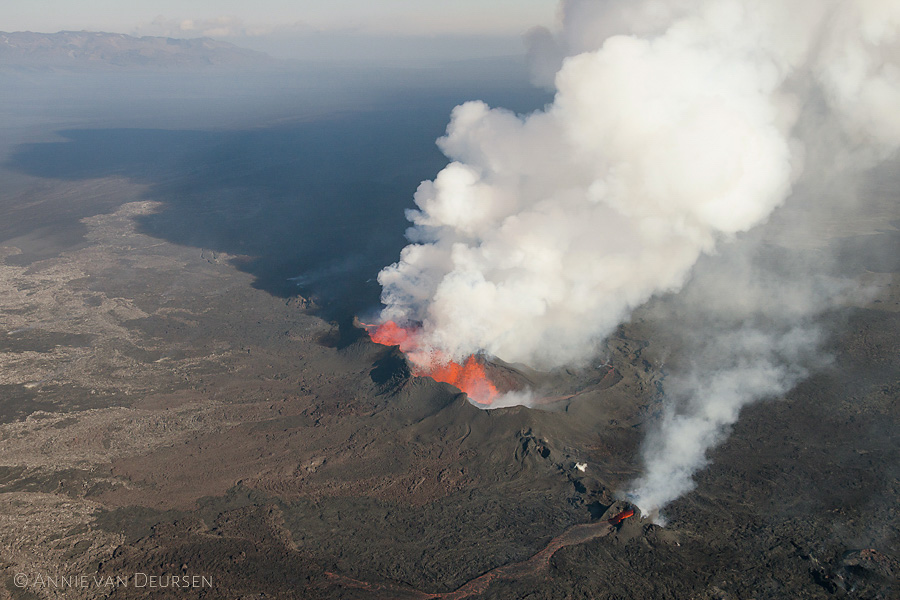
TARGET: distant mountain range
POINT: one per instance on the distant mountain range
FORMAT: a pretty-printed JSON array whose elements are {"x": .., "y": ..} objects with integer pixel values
[{"x": 95, "y": 50}]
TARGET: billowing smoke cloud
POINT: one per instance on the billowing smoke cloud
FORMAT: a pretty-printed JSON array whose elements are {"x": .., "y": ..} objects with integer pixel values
[{"x": 676, "y": 127}]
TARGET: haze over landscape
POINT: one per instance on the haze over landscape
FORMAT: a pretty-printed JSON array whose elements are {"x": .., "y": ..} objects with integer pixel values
[
  {"x": 345, "y": 30},
  {"x": 253, "y": 317}
]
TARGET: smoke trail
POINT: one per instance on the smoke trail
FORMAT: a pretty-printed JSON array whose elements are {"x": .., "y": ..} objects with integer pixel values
[
  {"x": 745, "y": 328},
  {"x": 675, "y": 127},
  {"x": 738, "y": 366}
]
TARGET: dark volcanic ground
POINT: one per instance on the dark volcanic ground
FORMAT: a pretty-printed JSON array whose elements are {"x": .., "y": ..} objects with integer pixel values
[{"x": 171, "y": 406}]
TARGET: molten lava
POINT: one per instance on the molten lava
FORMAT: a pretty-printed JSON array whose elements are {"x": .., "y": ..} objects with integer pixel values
[
  {"x": 621, "y": 517},
  {"x": 391, "y": 334},
  {"x": 469, "y": 377}
]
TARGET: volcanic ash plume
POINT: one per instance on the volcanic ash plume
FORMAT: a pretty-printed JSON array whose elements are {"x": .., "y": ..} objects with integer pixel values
[
  {"x": 674, "y": 128},
  {"x": 546, "y": 231}
]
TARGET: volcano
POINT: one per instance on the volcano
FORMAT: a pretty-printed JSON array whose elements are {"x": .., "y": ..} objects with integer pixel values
[{"x": 469, "y": 376}]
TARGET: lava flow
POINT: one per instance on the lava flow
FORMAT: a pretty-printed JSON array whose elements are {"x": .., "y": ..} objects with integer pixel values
[
  {"x": 621, "y": 517},
  {"x": 469, "y": 377}
]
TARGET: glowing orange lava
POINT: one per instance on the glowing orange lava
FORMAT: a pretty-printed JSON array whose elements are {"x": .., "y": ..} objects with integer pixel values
[
  {"x": 621, "y": 517},
  {"x": 469, "y": 377},
  {"x": 391, "y": 334}
]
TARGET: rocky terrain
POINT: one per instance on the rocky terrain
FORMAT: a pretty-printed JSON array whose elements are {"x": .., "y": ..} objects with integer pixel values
[{"x": 164, "y": 416}]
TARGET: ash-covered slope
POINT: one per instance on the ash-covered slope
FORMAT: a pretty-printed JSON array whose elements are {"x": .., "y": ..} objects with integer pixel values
[{"x": 100, "y": 51}]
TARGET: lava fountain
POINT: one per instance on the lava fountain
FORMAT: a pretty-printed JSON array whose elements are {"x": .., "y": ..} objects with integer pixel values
[{"x": 469, "y": 376}]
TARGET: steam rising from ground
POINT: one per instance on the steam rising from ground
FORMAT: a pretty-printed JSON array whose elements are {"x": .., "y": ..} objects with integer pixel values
[
  {"x": 676, "y": 126},
  {"x": 745, "y": 327}
]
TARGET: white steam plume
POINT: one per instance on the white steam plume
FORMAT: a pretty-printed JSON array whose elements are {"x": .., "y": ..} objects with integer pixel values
[
  {"x": 737, "y": 366},
  {"x": 745, "y": 328},
  {"x": 673, "y": 129}
]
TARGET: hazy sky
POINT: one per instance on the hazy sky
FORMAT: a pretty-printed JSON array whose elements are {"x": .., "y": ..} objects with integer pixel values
[{"x": 240, "y": 17}]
